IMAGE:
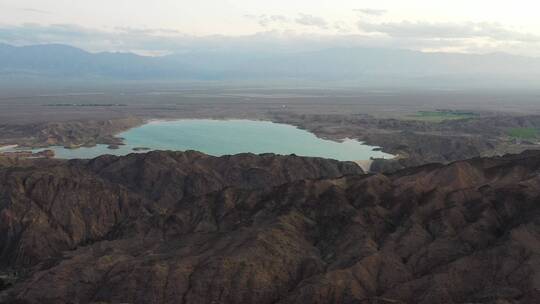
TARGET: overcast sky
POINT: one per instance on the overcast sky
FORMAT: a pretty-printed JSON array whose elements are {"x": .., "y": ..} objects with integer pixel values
[{"x": 164, "y": 26}]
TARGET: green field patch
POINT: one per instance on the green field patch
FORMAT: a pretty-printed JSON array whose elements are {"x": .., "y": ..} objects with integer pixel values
[{"x": 523, "y": 133}]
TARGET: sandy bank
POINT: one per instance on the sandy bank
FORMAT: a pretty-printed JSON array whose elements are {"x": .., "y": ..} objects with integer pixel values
[
  {"x": 364, "y": 164},
  {"x": 5, "y": 148}
]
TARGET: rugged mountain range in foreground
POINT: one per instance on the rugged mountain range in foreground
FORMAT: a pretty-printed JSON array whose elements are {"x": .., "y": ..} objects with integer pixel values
[{"x": 170, "y": 227}]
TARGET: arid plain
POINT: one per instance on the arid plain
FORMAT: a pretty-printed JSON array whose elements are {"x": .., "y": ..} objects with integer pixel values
[{"x": 420, "y": 126}]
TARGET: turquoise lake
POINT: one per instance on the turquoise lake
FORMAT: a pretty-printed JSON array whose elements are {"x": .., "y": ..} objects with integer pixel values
[{"x": 224, "y": 137}]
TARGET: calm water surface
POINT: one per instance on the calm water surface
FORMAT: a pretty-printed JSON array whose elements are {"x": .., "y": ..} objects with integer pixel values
[{"x": 223, "y": 137}]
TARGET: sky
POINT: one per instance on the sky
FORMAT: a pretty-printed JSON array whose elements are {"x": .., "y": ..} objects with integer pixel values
[{"x": 171, "y": 26}]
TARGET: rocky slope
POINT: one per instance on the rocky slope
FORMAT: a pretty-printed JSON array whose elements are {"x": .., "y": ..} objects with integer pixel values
[
  {"x": 188, "y": 228},
  {"x": 420, "y": 142},
  {"x": 69, "y": 134}
]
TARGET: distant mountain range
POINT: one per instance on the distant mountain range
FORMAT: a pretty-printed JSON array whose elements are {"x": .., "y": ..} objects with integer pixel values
[{"x": 360, "y": 65}]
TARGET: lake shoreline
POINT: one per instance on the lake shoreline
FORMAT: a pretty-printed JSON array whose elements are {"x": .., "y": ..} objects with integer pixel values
[{"x": 224, "y": 137}]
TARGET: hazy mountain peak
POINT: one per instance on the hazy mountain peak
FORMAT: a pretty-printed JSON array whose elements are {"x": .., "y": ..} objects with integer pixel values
[{"x": 370, "y": 66}]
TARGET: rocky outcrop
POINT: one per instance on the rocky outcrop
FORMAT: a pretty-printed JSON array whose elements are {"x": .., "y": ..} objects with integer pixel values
[
  {"x": 420, "y": 142},
  {"x": 28, "y": 154},
  {"x": 71, "y": 134},
  {"x": 58, "y": 206},
  {"x": 190, "y": 228}
]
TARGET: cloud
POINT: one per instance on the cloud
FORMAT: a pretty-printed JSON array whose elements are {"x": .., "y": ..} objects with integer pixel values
[
  {"x": 267, "y": 20},
  {"x": 428, "y": 30},
  {"x": 158, "y": 41},
  {"x": 281, "y": 20},
  {"x": 38, "y": 11},
  {"x": 371, "y": 11},
  {"x": 119, "y": 39},
  {"x": 341, "y": 27},
  {"x": 163, "y": 41},
  {"x": 147, "y": 31},
  {"x": 310, "y": 20}
]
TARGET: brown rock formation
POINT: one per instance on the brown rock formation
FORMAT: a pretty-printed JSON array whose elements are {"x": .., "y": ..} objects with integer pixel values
[
  {"x": 71, "y": 134},
  {"x": 189, "y": 228},
  {"x": 420, "y": 142}
]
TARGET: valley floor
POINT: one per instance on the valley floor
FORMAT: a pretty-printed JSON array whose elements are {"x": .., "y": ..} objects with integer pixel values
[{"x": 419, "y": 126}]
